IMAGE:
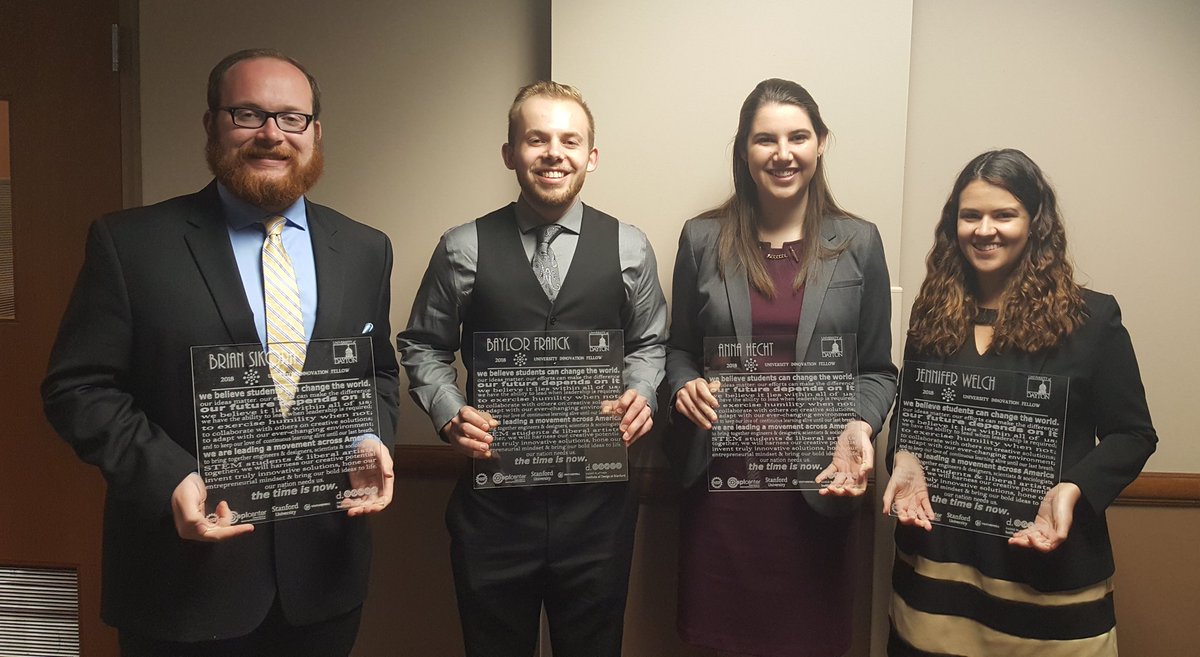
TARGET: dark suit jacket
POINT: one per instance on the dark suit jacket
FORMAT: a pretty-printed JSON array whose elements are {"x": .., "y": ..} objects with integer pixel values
[
  {"x": 847, "y": 294},
  {"x": 156, "y": 281},
  {"x": 1108, "y": 438}
]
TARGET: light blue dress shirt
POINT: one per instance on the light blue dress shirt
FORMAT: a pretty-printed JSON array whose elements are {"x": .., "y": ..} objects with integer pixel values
[{"x": 246, "y": 234}]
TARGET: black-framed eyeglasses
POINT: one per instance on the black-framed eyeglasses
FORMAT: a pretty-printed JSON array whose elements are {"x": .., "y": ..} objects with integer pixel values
[{"x": 249, "y": 117}]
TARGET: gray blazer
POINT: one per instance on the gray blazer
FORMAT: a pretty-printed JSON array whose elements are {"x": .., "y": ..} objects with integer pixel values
[{"x": 847, "y": 294}]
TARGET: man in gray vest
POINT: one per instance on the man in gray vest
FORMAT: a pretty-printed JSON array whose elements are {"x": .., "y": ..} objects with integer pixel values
[{"x": 550, "y": 263}]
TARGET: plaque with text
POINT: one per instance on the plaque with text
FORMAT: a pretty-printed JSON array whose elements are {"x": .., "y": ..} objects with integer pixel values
[
  {"x": 547, "y": 390},
  {"x": 779, "y": 418},
  {"x": 990, "y": 441},
  {"x": 270, "y": 466}
]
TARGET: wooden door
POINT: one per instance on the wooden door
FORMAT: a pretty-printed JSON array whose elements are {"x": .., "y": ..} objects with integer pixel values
[{"x": 64, "y": 103}]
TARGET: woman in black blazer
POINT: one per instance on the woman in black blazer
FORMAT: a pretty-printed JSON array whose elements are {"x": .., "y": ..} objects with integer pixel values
[
  {"x": 767, "y": 573},
  {"x": 1000, "y": 294}
]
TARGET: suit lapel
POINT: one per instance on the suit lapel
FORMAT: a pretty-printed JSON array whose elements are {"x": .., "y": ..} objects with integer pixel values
[
  {"x": 330, "y": 272},
  {"x": 815, "y": 288},
  {"x": 208, "y": 242},
  {"x": 737, "y": 288}
]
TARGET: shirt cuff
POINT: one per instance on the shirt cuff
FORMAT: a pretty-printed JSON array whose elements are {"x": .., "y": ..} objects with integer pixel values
[{"x": 649, "y": 393}]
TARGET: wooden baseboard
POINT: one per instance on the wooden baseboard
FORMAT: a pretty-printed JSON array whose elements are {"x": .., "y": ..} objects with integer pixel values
[
  {"x": 440, "y": 462},
  {"x": 1163, "y": 489}
]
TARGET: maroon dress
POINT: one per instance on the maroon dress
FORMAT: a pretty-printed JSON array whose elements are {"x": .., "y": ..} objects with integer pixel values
[{"x": 761, "y": 573}]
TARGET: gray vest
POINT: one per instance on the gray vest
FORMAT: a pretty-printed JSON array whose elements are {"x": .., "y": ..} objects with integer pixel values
[{"x": 507, "y": 296}]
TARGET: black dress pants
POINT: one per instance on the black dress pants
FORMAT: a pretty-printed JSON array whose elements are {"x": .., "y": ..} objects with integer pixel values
[
  {"x": 567, "y": 547},
  {"x": 275, "y": 637}
]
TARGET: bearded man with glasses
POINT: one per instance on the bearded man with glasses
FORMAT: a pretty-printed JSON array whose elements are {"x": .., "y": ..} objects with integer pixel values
[{"x": 188, "y": 272}]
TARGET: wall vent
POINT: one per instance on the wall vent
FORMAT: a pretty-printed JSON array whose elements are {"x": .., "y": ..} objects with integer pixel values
[{"x": 39, "y": 612}]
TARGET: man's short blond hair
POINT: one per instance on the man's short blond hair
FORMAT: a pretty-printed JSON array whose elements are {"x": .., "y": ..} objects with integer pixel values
[{"x": 550, "y": 89}]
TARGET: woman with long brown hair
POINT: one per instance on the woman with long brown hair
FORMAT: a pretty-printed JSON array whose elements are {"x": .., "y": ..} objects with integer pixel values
[
  {"x": 1000, "y": 294},
  {"x": 768, "y": 573}
]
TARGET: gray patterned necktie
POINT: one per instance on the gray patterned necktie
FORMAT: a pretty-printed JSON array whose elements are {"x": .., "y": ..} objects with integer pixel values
[{"x": 545, "y": 265}]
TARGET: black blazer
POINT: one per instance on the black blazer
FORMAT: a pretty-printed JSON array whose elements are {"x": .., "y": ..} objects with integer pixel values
[
  {"x": 1109, "y": 437},
  {"x": 156, "y": 281},
  {"x": 847, "y": 294}
]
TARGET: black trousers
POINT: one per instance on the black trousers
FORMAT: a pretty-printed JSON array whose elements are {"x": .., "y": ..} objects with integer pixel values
[
  {"x": 275, "y": 637},
  {"x": 567, "y": 547}
]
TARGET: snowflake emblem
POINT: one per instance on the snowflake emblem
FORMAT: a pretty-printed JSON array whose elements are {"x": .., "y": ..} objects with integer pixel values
[
  {"x": 948, "y": 394},
  {"x": 250, "y": 377},
  {"x": 519, "y": 359},
  {"x": 750, "y": 364}
]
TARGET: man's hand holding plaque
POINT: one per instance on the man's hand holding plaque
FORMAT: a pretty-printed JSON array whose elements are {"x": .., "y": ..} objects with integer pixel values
[
  {"x": 191, "y": 522},
  {"x": 634, "y": 411},
  {"x": 372, "y": 479},
  {"x": 469, "y": 432}
]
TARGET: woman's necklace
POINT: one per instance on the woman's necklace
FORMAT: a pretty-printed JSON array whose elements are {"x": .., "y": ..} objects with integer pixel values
[{"x": 788, "y": 253}]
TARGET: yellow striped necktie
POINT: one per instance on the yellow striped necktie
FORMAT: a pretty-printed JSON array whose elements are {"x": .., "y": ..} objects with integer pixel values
[{"x": 285, "y": 323}]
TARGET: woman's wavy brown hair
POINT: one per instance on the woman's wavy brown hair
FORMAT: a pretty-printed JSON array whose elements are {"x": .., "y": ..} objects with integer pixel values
[
  {"x": 1041, "y": 305},
  {"x": 737, "y": 245}
]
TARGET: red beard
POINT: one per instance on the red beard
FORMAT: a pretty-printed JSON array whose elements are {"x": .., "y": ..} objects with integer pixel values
[{"x": 268, "y": 193}]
